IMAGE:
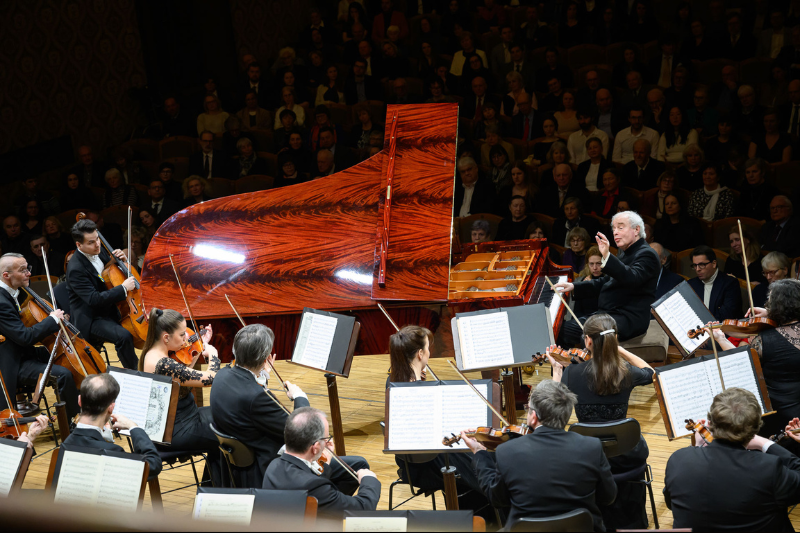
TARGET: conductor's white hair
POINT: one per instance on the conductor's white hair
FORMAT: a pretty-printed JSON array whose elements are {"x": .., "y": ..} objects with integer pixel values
[{"x": 634, "y": 221}]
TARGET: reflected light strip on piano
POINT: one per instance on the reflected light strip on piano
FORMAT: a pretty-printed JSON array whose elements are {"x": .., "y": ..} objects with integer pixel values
[
  {"x": 352, "y": 275},
  {"x": 215, "y": 253}
]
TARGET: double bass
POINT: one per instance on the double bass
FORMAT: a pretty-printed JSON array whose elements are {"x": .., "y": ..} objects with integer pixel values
[{"x": 134, "y": 317}]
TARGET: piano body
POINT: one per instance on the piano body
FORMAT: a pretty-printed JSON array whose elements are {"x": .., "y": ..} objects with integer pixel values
[{"x": 379, "y": 231}]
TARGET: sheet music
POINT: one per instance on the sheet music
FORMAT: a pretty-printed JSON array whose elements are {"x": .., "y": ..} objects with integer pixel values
[
  {"x": 485, "y": 341},
  {"x": 687, "y": 394},
  {"x": 229, "y": 508},
  {"x": 314, "y": 340},
  {"x": 120, "y": 483},
  {"x": 79, "y": 478},
  {"x": 133, "y": 398},
  {"x": 420, "y": 417},
  {"x": 158, "y": 410},
  {"x": 679, "y": 317},
  {"x": 10, "y": 461},
  {"x": 88, "y": 479},
  {"x": 377, "y": 524},
  {"x": 737, "y": 371}
]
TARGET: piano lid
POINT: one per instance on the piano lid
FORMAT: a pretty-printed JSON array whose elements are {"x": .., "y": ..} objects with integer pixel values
[{"x": 317, "y": 244}]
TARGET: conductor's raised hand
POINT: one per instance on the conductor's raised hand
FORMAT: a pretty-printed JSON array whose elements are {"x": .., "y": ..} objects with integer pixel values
[{"x": 602, "y": 244}]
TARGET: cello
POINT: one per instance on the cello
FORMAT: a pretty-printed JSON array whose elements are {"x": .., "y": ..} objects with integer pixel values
[{"x": 134, "y": 318}]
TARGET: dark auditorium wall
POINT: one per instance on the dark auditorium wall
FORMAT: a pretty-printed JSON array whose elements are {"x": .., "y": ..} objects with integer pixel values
[
  {"x": 65, "y": 69},
  {"x": 262, "y": 27}
]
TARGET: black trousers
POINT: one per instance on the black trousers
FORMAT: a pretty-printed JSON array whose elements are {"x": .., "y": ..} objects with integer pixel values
[
  {"x": 28, "y": 374},
  {"x": 110, "y": 331},
  {"x": 193, "y": 433},
  {"x": 571, "y": 334}
]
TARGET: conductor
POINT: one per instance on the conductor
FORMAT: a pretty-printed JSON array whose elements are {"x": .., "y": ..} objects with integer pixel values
[{"x": 629, "y": 287}]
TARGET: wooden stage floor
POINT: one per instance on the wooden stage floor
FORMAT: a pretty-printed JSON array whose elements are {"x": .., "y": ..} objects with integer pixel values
[{"x": 362, "y": 406}]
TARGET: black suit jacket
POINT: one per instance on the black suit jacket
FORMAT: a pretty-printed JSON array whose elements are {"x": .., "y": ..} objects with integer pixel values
[
  {"x": 547, "y": 201},
  {"x": 583, "y": 170},
  {"x": 372, "y": 89},
  {"x": 575, "y": 475},
  {"x": 220, "y": 165},
  {"x": 628, "y": 289},
  {"x": 630, "y": 175},
  {"x": 169, "y": 207},
  {"x": 290, "y": 473},
  {"x": 89, "y": 438},
  {"x": 98, "y": 173},
  {"x": 788, "y": 241},
  {"x": 20, "y": 340},
  {"x": 745, "y": 47},
  {"x": 518, "y": 126},
  {"x": 482, "y": 197},
  {"x": 89, "y": 299},
  {"x": 725, "y": 301},
  {"x": 467, "y": 108},
  {"x": 753, "y": 489},
  {"x": 666, "y": 282},
  {"x": 242, "y": 409},
  {"x": 182, "y": 124}
]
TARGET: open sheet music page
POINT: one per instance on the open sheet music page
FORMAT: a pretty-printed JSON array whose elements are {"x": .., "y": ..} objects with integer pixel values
[
  {"x": 158, "y": 410},
  {"x": 485, "y": 341},
  {"x": 120, "y": 483},
  {"x": 88, "y": 479},
  {"x": 229, "y": 508},
  {"x": 679, "y": 317},
  {"x": 10, "y": 460},
  {"x": 737, "y": 371},
  {"x": 133, "y": 399},
  {"x": 420, "y": 417},
  {"x": 314, "y": 340},
  {"x": 687, "y": 394},
  {"x": 376, "y": 524}
]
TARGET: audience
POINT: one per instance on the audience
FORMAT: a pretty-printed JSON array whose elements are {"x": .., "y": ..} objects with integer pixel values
[
  {"x": 775, "y": 267},
  {"x": 734, "y": 265},
  {"x": 713, "y": 201},
  {"x": 676, "y": 230},
  {"x": 513, "y": 227},
  {"x": 719, "y": 293},
  {"x": 625, "y": 139},
  {"x": 642, "y": 171},
  {"x": 590, "y": 172},
  {"x": 667, "y": 280},
  {"x": 781, "y": 233}
]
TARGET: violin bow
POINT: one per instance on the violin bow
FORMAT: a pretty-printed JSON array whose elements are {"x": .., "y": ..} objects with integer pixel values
[
  {"x": 185, "y": 301},
  {"x": 55, "y": 306},
  {"x": 386, "y": 313},
  {"x": 716, "y": 355},
  {"x": 8, "y": 402},
  {"x": 476, "y": 391},
  {"x": 271, "y": 366},
  {"x": 746, "y": 271},
  {"x": 130, "y": 250},
  {"x": 563, "y": 301}
]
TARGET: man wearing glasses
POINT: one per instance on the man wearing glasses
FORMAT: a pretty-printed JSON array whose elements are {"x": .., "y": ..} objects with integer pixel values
[
  {"x": 782, "y": 232},
  {"x": 20, "y": 360},
  {"x": 307, "y": 436},
  {"x": 720, "y": 293}
]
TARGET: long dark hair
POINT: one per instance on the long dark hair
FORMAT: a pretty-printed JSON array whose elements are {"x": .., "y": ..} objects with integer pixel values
[
  {"x": 403, "y": 348},
  {"x": 608, "y": 371},
  {"x": 683, "y": 129},
  {"x": 166, "y": 321}
]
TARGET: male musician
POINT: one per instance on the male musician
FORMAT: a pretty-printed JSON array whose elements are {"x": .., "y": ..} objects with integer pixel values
[
  {"x": 20, "y": 360},
  {"x": 243, "y": 408},
  {"x": 307, "y": 434},
  {"x": 576, "y": 473},
  {"x": 630, "y": 285},
  {"x": 93, "y": 305},
  {"x": 97, "y": 399},
  {"x": 722, "y": 485}
]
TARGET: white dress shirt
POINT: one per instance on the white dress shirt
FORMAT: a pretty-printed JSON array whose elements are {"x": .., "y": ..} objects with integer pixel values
[
  {"x": 708, "y": 286},
  {"x": 468, "y": 190}
]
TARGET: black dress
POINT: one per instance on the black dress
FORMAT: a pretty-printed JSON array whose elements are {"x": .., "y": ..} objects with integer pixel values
[
  {"x": 774, "y": 154},
  {"x": 628, "y": 510},
  {"x": 779, "y": 350},
  {"x": 736, "y": 267}
]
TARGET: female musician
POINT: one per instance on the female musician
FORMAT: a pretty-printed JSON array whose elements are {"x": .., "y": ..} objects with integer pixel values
[
  {"x": 409, "y": 351},
  {"x": 779, "y": 351},
  {"x": 167, "y": 333},
  {"x": 603, "y": 386}
]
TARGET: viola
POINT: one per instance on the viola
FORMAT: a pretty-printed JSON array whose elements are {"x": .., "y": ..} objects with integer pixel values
[
  {"x": 134, "y": 318},
  {"x": 733, "y": 327},
  {"x": 565, "y": 357},
  {"x": 191, "y": 349},
  {"x": 490, "y": 438},
  {"x": 84, "y": 360},
  {"x": 12, "y": 424},
  {"x": 697, "y": 427}
]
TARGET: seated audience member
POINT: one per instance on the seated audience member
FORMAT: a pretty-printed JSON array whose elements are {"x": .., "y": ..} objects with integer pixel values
[
  {"x": 518, "y": 185},
  {"x": 249, "y": 163},
  {"x": 117, "y": 193},
  {"x": 148, "y": 220},
  {"x": 571, "y": 218},
  {"x": 625, "y": 139},
  {"x": 790, "y": 111},
  {"x": 635, "y": 95},
  {"x": 653, "y": 205},
  {"x": 690, "y": 173},
  {"x": 166, "y": 172},
  {"x": 552, "y": 196},
  {"x": 642, "y": 172},
  {"x": 703, "y": 118},
  {"x": 427, "y": 56},
  {"x": 97, "y": 399},
  {"x": 195, "y": 190},
  {"x": 610, "y": 119},
  {"x": 76, "y": 195},
  {"x": 586, "y": 98},
  {"x": 493, "y": 139},
  {"x": 176, "y": 123},
  {"x": 576, "y": 476},
  {"x": 577, "y": 141},
  {"x": 288, "y": 172},
  {"x": 773, "y": 145},
  {"x": 513, "y": 227},
  {"x": 521, "y": 65},
  {"x": 677, "y": 136},
  {"x": 474, "y": 100},
  {"x": 325, "y": 164},
  {"x": 557, "y": 154},
  {"x": 240, "y": 408},
  {"x": 213, "y": 119},
  {"x": 500, "y": 168},
  {"x": 527, "y": 124},
  {"x": 401, "y": 94},
  {"x": 605, "y": 203},
  {"x": 630, "y": 63},
  {"x": 59, "y": 240},
  {"x": 208, "y": 162},
  {"x": 749, "y": 117},
  {"x": 322, "y": 119},
  {"x": 296, "y": 149},
  {"x": 667, "y": 280},
  {"x": 553, "y": 69},
  {"x": 138, "y": 246},
  {"x": 765, "y": 477},
  {"x": 727, "y": 145},
  {"x": 474, "y": 193},
  {"x": 574, "y": 30},
  {"x": 361, "y": 131},
  {"x": 566, "y": 115},
  {"x": 358, "y": 87},
  {"x": 603, "y": 386},
  {"x": 161, "y": 206},
  {"x": 395, "y": 63},
  {"x": 287, "y": 128},
  {"x": 775, "y": 91},
  {"x": 89, "y": 171},
  {"x": 14, "y": 239},
  {"x": 252, "y": 116},
  {"x": 713, "y": 201},
  {"x": 543, "y": 145},
  {"x": 536, "y": 231},
  {"x": 130, "y": 170},
  {"x": 552, "y": 101},
  {"x": 32, "y": 217},
  {"x": 328, "y": 92},
  {"x": 48, "y": 202},
  {"x": 489, "y": 120},
  {"x": 55, "y": 259},
  {"x": 720, "y": 293},
  {"x": 516, "y": 86},
  {"x": 473, "y": 68},
  {"x": 590, "y": 172},
  {"x": 592, "y": 270},
  {"x": 741, "y": 45},
  {"x": 756, "y": 193},
  {"x": 233, "y": 134},
  {"x": 775, "y": 267},
  {"x": 781, "y": 233},
  {"x": 577, "y": 241},
  {"x": 734, "y": 264},
  {"x": 480, "y": 231},
  {"x": 342, "y": 156},
  {"x": 438, "y": 95},
  {"x": 676, "y": 230},
  {"x": 307, "y": 436},
  {"x": 658, "y": 117},
  {"x": 459, "y": 58},
  {"x": 288, "y": 99}
]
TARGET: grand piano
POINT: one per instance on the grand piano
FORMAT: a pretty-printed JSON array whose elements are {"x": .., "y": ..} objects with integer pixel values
[{"x": 380, "y": 231}]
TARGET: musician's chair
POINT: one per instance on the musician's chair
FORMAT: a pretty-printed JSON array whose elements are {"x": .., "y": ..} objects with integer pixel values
[
  {"x": 235, "y": 452},
  {"x": 620, "y": 437},
  {"x": 577, "y": 520}
]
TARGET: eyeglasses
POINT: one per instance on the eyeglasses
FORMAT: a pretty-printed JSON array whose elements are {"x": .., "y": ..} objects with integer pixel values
[
  {"x": 326, "y": 439},
  {"x": 701, "y": 265},
  {"x": 770, "y": 273}
]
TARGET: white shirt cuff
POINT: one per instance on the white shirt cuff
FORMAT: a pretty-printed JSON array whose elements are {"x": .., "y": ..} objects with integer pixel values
[
  {"x": 58, "y": 321},
  {"x": 605, "y": 260},
  {"x": 766, "y": 446},
  {"x": 301, "y": 395}
]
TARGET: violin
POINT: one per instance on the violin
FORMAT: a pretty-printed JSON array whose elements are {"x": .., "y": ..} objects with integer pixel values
[
  {"x": 565, "y": 357},
  {"x": 490, "y": 438},
  {"x": 783, "y": 434},
  {"x": 12, "y": 424},
  {"x": 81, "y": 361},
  {"x": 134, "y": 318},
  {"x": 697, "y": 427},
  {"x": 191, "y": 349},
  {"x": 736, "y": 328}
]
